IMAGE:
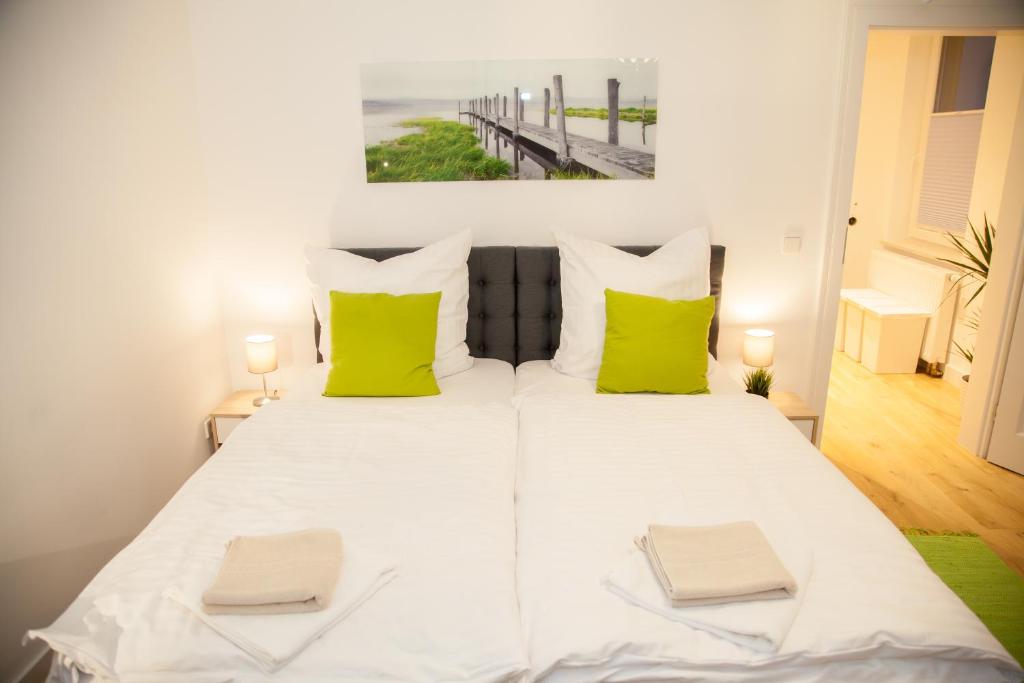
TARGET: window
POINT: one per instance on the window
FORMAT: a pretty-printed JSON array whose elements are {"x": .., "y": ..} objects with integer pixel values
[
  {"x": 964, "y": 69},
  {"x": 954, "y": 131}
]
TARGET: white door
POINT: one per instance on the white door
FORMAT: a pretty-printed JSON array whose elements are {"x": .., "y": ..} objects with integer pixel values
[{"x": 1007, "y": 445}]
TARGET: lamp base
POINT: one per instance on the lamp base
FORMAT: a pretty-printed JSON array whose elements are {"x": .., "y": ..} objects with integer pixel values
[{"x": 264, "y": 400}]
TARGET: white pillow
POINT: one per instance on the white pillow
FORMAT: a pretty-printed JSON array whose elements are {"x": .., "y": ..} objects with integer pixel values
[
  {"x": 440, "y": 267},
  {"x": 678, "y": 270}
]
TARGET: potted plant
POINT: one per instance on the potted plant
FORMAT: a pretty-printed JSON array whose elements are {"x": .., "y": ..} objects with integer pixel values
[
  {"x": 974, "y": 267},
  {"x": 759, "y": 381}
]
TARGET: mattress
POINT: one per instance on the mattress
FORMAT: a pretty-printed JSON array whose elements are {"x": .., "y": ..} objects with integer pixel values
[
  {"x": 538, "y": 378},
  {"x": 427, "y": 486},
  {"x": 595, "y": 470},
  {"x": 488, "y": 381}
]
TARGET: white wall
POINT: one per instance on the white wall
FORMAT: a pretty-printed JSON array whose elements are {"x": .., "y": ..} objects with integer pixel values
[
  {"x": 892, "y": 120},
  {"x": 111, "y": 348},
  {"x": 747, "y": 94}
]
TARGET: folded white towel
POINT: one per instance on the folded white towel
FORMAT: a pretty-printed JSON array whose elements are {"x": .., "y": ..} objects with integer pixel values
[
  {"x": 760, "y": 625},
  {"x": 711, "y": 565},
  {"x": 275, "y": 640},
  {"x": 277, "y": 573}
]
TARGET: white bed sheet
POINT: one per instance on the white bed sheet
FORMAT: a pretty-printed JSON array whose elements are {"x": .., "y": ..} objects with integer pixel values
[
  {"x": 489, "y": 381},
  {"x": 539, "y": 378},
  {"x": 595, "y": 470},
  {"x": 428, "y": 486}
]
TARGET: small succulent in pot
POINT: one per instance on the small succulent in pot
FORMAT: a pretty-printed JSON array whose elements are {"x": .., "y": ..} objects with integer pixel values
[{"x": 759, "y": 381}]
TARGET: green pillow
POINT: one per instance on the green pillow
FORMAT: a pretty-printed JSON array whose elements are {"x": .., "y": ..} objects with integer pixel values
[
  {"x": 383, "y": 345},
  {"x": 655, "y": 345}
]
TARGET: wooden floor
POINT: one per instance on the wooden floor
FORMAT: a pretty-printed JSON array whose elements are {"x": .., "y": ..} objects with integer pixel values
[{"x": 894, "y": 437}]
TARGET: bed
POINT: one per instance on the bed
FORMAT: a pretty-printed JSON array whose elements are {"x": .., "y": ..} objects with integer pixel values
[
  {"x": 503, "y": 504},
  {"x": 594, "y": 470},
  {"x": 425, "y": 483}
]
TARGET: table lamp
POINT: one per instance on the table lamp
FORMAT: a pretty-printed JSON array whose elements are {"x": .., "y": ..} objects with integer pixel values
[
  {"x": 261, "y": 358},
  {"x": 759, "y": 354},
  {"x": 758, "y": 348}
]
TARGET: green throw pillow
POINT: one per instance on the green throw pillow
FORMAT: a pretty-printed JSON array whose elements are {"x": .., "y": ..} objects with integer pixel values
[
  {"x": 383, "y": 345},
  {"x": 655, "y": 345}
]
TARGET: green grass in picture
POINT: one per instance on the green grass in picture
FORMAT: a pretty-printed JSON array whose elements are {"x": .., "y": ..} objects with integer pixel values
[
  {"x": 625, "y": 114},
  {"x": 559, "y": 174},
  {"x": 443, "y": 150}
]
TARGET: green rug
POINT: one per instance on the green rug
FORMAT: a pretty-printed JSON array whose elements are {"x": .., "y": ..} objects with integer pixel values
[{"x": 992, "y": 590}]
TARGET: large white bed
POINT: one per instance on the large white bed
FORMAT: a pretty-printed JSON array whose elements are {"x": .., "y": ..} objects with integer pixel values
[
  {"x": 594, "y": 470},
  {"x": 423, "y": 482},
  {"x": 505, "y": 509}
]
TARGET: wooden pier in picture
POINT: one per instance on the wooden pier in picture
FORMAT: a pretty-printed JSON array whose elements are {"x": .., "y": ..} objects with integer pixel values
[{"x": 555, "y": 148}]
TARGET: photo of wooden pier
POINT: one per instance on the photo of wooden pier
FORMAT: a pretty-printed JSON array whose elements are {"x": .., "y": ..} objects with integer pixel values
[{"x": 587, "y": 119}]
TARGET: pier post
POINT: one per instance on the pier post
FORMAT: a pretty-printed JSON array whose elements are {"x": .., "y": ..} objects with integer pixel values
[
  {"x": 522, "y": 117},
  {"x": 515, "y": 132},
  {"x": 563, "y": 138},
  {"x": 547, "y": 107},
  {"x": 643, "y": 122},
  {"x": 497, "y": 136},
  {"x": 487, "y": 114},
  {"x": 613, "y": 111},
  {"x": 504, "y": 111}
]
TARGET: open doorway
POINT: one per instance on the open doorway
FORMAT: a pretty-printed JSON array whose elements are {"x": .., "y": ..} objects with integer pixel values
[{"x": 938, "y": 113}]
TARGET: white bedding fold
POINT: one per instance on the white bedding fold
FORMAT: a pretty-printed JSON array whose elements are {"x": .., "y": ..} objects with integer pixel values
[{"x": 274, "y": 640}]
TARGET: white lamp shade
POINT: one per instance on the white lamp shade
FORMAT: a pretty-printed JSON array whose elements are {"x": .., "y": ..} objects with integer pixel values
[
  {"x": 261, "y": 353},
  {"x": 758, "y": 348}
]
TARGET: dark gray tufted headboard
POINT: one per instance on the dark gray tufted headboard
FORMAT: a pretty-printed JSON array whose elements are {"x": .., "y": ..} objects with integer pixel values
[{"x": 515, "y": 301}]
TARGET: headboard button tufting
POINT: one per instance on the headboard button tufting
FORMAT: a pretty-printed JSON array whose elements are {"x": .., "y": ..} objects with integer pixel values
[{"x": 520, "y": 300}]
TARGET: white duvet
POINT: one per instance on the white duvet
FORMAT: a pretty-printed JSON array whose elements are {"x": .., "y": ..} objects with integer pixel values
[
  {"x": 429, "y": 487},
  {"x": 595, "y": 470}
]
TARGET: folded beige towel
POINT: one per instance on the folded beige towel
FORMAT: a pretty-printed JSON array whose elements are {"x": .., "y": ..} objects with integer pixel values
[
  {"x": 277, "y": 574},
  {"x": 716, "y": 564}
]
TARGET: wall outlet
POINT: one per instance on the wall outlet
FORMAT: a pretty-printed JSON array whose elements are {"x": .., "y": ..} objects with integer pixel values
[
  {"x": 791, "y": 244},
  {"x": 206, "y": 428}
]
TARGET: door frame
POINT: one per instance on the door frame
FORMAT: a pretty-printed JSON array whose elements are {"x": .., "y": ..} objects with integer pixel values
[{"x": 861, "y": 16}]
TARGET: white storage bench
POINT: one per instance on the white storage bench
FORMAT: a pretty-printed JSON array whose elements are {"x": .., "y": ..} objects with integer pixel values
[{"x": 881, "y": 331}]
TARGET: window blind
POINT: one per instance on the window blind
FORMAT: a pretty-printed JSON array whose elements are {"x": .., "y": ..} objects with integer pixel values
[{"x": 950, "y": 158}]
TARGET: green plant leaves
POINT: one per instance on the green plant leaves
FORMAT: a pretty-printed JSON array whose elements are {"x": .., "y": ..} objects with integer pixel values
[{"x": 976, "y": 265}]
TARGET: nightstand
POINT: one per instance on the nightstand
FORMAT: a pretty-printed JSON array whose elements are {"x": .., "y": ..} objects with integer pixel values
[
  {"x": 798, "y": 412},
  {"x": 230, "y": 413}
]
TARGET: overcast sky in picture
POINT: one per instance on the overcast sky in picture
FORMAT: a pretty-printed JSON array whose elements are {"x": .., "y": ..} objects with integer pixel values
[{"x": 582, "y": 78}]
